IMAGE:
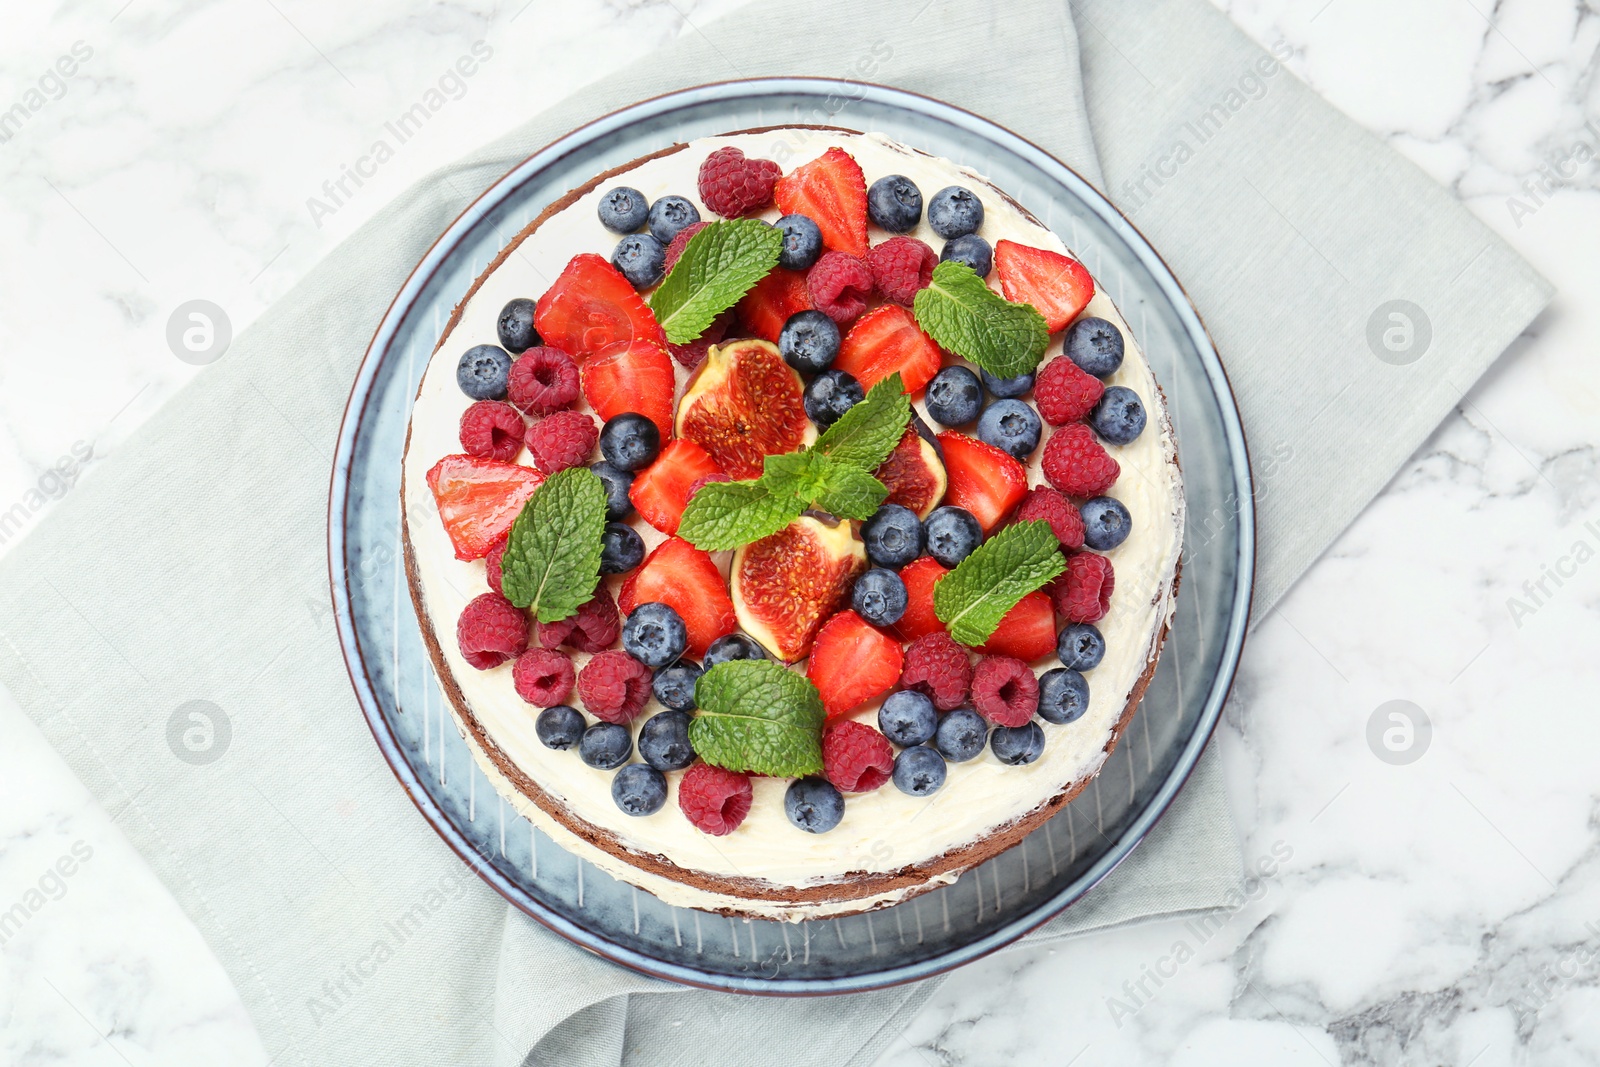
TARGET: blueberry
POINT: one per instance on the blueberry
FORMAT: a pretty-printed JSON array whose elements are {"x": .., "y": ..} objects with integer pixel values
[
  {"x": 605, "y": 745},
  {"x": 617, "y": 483},
  {"x": 952, "y": 534},
  {"x": 1080, "y": 646},
  {"x": 893, "y": 536},
  {"x": 515, "y": 325},
  {"x": 809, "y": 341},
  {"x": 639, "y": 789},
  {"x": 1106, "y": 523},
  {"x": 674, "y": 685},
  {"x": 671, "y": 214},
  {"x": 641, "y": 258},
  {"x": 1119, "y": 416},
  {"x": 802, "y": 242},
  {"x": 630, "y": 441},
  {"x": 831, "y": 394},
  {"x": 972, "y": 250},
  {"x": 1007, "y": 388},
  {"x": 1095, "y": 345},
  {"x": 894, "y": 203},
  {"x": 961, "y": 735},
  {"x": 907, "y": 718},
  {"x": 621, "y": 549},
  {"x": 483, "y": 372},
  {"x": 654, "y": 634},
  {"x": 879, "y": 596},
  {"x": 954, "y": 396},
  {"x": 1011, "y": 426},
  {"x": 559, "y": 727},
  {"x": 1016, "y": 745},
  {"x": 623, "y": 210},
  {"x": 813, "y": 804},
  {"x": 919, "y": 771},
  {"x": 664, "y": 741},
  {"x": 1063, "y": 695},
  {"x": 955, "y": 212},
  {"x": 731, "y": 647}
]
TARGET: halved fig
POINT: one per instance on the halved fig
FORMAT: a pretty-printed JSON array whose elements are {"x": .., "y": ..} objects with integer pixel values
[
  {"x": 745, "y": 403},
  {"x": 914, "y": 472},
  {"x": 784, "y": 586}
]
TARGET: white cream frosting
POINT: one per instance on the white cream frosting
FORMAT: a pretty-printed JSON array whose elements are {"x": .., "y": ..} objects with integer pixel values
[{"x": 884, "y": 830}]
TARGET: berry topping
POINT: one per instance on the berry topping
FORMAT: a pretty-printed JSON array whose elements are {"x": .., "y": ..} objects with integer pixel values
[
  {"x": 732, "y": 647},
  {"x": 686, "y": 579},
  {"x": 492, "y": 429},
  {"x": 1076, "y": 464},
  {"x": 732, "y": 184},
  {"x": 809, "y": 341},
  {"x": 1043, "y": 504},
  {"x": 617, "y": 483},
  {"x": 831, "y": 191},
  {"x": 680, "y": 242},
  {"x": 1058, "y": 286},
  {"x": 851, "y": 663},
  {"x": 954, "y": 211},
  {"x": 543, "y": 381},
  {"x": 961, "y": 735},
  {"x": 786, "y": 584},
  {"x": 831, "y": 394},
  {"x": 802, "y": 242},
  {"x": 937, "y": 667},
  {"x": 654, "y": 634},
  {"x": 593, "y": 628},
  {"x": 900, "y": 267},
  {"x": 954, "y": 397},
  {"x": 1106, "y": 523},
  {"x": 1006, "y": 388},
  {"x": 482, "y": 372},
  {"x": 1063, "y": 695},
  {"x": 893, "y": 536},
  {"x": 491, "y": 630},
  {"x": 1083, "y": 593},
  {"x": 855, "y": 757},
  {"x": 908, "y": 718},
  {"x": 674, "y": 685},
  {"x": 885, "y": 340},
  {"x": 639, "y": 789},
  {"x": 1011, "y": 426},
  {"x": 605, "y": 746},
  {"x": 894, "y": 203},
  {"x": 1026, "y": 632},
  {"x": 562, "y": 440},
  {"x": 772, "y": 301},
  {"x": 491, "y": 563},
  {"x": 670, "y": 216},
  {"x": 614, "y": 686},
  {"x": 641, "y": 258},
  {"x": 1016, "y": 745},
  {"x": 479, "y": 499},
  {"x": 1064, "y": 392},
  {"x": 692, "y": 353},
  {"x": 1095, "y": 345},
  {"x": 1080, "y": 646},
  {"x": 952, "y": 534},
  {"x": 919, "y": 771},
  {"x": 1004, "y": 690},
  {"x": 970, "y": 249},
  {"x": 623, "y": 210},
  {"x": 813, "y": 805},
  {"x": 664, "y": 741},
  {"x": 743, "y": 405},
  {"x": 621, "y": 549},
  {"x": 879, "y": 596},
  {"x": 543, "y": 678},
  {"x": 661, "y": 491},
  {"x": 559, "y": 727},
  {"x": 914, "y": 473},
  {"x": 629, "y": 441},
  {"x": 634, "y": 377},
  {"x": 840, "y": 286},
  {"x": 591, "y": 305},
  {"x": 1119, "y": 417},
  {"x": 715, "y": 801},
  {"x": 514, "y": 327},
  {"x": 920, "y": 576}
]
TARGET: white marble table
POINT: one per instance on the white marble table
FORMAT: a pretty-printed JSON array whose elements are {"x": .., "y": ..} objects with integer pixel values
[{"x": 1444, "y": 910}]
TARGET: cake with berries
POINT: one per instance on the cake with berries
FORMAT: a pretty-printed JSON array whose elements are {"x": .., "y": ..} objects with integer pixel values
[{"x": 773, "y": 490}]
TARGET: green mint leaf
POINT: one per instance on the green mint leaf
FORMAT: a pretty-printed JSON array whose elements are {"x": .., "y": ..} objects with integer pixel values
[
  {"x": 849, "y": 492},
  {"x": 726, "y": 515},
  {"x": 552, "y": 560},
  {"x": 760, "y": 717},
  {"x": 866, "y": 434},
  {"x": 972, "y": 599},
  {"x": 967, "y": 317},
  {"x": 717, "y": 267}
]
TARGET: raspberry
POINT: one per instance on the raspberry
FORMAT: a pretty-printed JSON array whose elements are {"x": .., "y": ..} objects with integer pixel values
[
  {"x": 691, "y": 354},
  {"x": 937, "y": 668},
  {"x": 732, "y": 184},
  {"x": 491, "y": 630},
  {"x": 594, "y": 628},
  {"x": 614, "y": 686},
  {"x": 492, "y": 429},
  {"x": 1077, "y": 464},
  {"x": 714, "y": 800},
  {"x": 562, "y": 440},
  {"x": 543, "y": 678},
  {"x": 855, "y": 757},
  {"x": 676, "y": 246},
  {"x": 1083, "y": 593},
  {"x": 839, "y": 285},
  {"x": 491, "y": 563},
  {"x": 900, "y": 266},
  {"x": 1044, "y": 503},
  {"x": 1064, "y": 392},
  {"x": 542, "y": 381},
  {"x": 1005, "y": 691}
]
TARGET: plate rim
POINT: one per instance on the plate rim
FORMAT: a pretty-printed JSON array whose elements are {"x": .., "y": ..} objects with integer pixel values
[{"x": 506, "y": 186}]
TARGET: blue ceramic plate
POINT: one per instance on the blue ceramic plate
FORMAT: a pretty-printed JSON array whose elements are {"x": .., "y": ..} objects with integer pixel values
[{"x": 988, "y": 907}]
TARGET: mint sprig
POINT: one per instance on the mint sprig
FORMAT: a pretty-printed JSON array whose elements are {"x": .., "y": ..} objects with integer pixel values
[
  {"x": 865, "y": 434},
  {"x": 972, "y": 599},
  {"x": 758, "y": 717},
  {"x": 725, "y": 515},
  {"x": 552, "y": 559},
  {"x": 967, "y": 317},
  {"x": 717, "y": 267}
]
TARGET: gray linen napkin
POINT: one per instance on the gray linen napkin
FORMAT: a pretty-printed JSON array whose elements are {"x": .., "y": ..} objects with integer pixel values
[{"x": 192, "y": 567}]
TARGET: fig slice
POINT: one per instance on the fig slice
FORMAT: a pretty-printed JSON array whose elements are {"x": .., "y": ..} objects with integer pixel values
[
  {"x": 914, "y": 473},
  {"x": 745, "y": 403},
  {"x": 786, "y": 585}
]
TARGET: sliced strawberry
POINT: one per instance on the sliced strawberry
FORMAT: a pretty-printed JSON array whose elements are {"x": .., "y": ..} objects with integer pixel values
[
  {"x": 852, "y": 661},
  {"x": 591, "y": 306},
  {"x": 661, "y": 491},
  {"x": 685, "y": 579},
  {"x": 983, "y": 479},
  {"x": 634, "y": 376},
  {"x": 1057, "y": 285},
  {"x": 886, "y": 340},
  {"x": 479, "y": 499},
  {"x": 832, "y": 192},
  {"x": 919, "y": 620},
  {"x": 770, "y": 302},
  {"x": 1028, "y": 631}
]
